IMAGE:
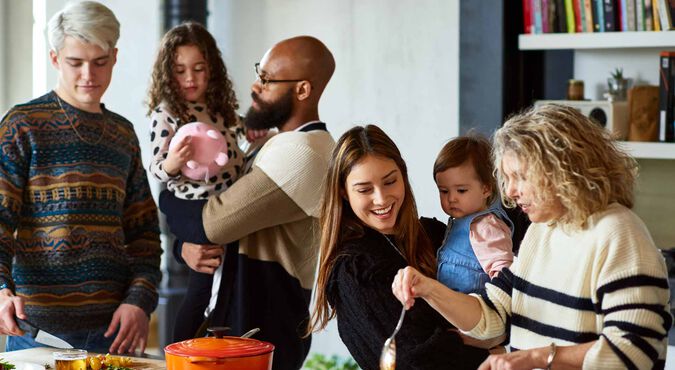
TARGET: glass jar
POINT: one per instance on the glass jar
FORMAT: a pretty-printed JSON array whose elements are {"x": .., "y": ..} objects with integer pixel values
[
  {"x": 70, "y": 359},
  {"x": 575, "y": 90}
]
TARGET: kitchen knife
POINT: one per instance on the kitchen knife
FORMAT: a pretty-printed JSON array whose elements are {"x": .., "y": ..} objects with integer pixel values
[{"x": 41, "y": 336}]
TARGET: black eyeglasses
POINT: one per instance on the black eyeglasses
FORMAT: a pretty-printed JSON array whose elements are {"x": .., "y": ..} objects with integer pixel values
[{"x": 264, "y": 81}]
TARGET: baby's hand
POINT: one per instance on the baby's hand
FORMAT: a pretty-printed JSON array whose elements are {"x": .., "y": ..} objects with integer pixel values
[
  {"x": 178, "y": 156},
  {"x": 253, "y": 135}
]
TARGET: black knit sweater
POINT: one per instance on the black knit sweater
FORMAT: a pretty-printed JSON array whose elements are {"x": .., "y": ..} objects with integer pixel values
[{"x": 359, "y": 289}]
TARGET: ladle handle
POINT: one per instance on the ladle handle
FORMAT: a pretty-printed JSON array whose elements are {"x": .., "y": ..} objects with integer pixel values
[{"x": 250, "y": 333}]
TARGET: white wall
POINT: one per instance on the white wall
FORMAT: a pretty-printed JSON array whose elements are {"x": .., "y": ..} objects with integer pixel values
[
  {"x": 3, "y": 53},
  {"x": 595, "y": 66},
  {"x": 397, "y": 66},
  {"x": 15, "y": 52}
]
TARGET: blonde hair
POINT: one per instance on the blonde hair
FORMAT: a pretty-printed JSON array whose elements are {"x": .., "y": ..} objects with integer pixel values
[
  {"x": 339, "y": 223},
  {"x": 569, "y": 157},
  {"x": 87, "y": 21}
]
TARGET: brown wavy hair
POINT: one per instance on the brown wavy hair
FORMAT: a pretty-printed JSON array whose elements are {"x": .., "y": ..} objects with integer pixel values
[
  {"x": 220, "y": 97},
  {"x": 339, "y": 223},
  {"x": 475, "y": 149},
  {"x": 569, "y": 157}
]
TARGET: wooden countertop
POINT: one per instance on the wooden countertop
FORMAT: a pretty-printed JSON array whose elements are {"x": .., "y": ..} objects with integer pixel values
[{"x": 36, "y": 358}]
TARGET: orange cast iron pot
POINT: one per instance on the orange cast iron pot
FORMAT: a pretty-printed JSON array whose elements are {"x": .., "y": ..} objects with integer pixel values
[{"x": 219, "y": 353}]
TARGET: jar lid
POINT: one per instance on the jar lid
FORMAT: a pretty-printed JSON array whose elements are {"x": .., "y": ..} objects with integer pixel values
[{"x": 225, "y": 347}]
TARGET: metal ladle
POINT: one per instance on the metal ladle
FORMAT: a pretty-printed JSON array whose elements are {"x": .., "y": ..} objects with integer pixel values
[
  {"x": 219, "y": 331},
  {"x": 250, "y": 333},
  {"x": 388, "y": 356}
]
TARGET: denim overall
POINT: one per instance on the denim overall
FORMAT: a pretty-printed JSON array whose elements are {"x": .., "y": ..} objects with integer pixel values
[{"x": 458, "y": 266}]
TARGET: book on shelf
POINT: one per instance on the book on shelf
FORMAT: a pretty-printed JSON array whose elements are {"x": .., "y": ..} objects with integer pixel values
[
  {"x": 552, "y": 12},
  {"x": 655, "y": 15},
  {"x": 588, "y": 16},
  {"x": 666, "y": 96},
  {"x": 527, "y": 16},
  {"x": 627, "y": 14},
  {"x": 578, "y": 16},
  {"x": 537, "y": 17},
  {"x": 560, "y": 16},
  {"x": 569, "y": 15},
  {"x": 639, "y": 15},
  {"x": 598, "y": 16},
  {"x": 581, "y": 16},
  {"x": 665, "y": 10},
  {"x": 648, "y": 15},
  {"x": 609, "y": 16}
]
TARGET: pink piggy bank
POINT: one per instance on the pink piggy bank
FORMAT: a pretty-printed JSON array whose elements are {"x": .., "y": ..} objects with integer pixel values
[{"x": 209, "y": 150}]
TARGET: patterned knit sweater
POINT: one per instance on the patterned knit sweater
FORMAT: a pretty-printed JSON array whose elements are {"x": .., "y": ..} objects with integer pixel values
[
  {"x": 78, "y": 227},
  {"x": 606, "y": 283}
]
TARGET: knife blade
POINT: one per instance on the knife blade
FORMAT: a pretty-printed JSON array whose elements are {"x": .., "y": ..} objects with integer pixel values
[{"x": 41, "y": 336}]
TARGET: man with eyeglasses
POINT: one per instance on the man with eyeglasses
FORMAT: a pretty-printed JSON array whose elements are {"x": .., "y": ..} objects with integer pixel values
[{"x": 272, "y": 211}]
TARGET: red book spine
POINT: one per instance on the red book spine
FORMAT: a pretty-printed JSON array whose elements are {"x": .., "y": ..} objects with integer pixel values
[
  {"x": 577, "y": 15},
  {"x": 527, "y": 16}
]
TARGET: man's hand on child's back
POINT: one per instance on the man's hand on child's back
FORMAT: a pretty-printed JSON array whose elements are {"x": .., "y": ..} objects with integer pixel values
[{"x": 204, "y": 258}]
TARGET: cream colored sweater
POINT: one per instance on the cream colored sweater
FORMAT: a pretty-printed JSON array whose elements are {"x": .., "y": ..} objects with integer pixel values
[
  {"x": 273, "y": 210},
  {"x": 607, "y": 283}
]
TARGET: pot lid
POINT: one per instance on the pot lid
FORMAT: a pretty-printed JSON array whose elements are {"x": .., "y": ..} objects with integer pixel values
[{"x": 225, "y": 347}]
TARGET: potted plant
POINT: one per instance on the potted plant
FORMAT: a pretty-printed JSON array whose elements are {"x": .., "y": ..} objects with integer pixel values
[{"x": 617, "y": 85}]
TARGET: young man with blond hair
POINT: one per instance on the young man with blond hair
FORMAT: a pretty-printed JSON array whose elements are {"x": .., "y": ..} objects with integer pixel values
[{"x": 79, "y": 235}]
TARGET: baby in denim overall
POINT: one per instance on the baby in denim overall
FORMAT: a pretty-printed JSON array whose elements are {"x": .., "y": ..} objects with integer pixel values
[{"x": 478, "y": 242}]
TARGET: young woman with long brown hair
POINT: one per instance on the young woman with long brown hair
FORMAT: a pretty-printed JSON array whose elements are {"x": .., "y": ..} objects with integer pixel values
[{"x": 369, "y": 230}]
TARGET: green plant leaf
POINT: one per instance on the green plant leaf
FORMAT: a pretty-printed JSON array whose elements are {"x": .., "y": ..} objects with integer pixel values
[{"x": 318, "y": 361}]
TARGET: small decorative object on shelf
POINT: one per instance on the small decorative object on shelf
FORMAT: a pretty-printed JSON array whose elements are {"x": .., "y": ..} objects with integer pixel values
[
  {"x": 575, "y": 90},
  {"x": 617, "y": 86}
]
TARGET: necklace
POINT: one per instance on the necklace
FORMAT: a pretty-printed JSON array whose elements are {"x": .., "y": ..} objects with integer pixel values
[
  {"x": 394, "y": 246},
  {"x": 70, "y": 121}
]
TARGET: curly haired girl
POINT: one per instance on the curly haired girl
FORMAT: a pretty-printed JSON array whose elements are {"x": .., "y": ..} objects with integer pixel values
[{"x": 189, "y": 84}]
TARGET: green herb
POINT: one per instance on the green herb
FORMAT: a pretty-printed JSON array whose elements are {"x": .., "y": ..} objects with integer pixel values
[
  {"x": 112, "y": 367},
  {"x": 47, "y": 366},
  {"x": 4, "y": 365},
  {"x": 320, "y": 362},
  {"x": 617, "y": 74}
]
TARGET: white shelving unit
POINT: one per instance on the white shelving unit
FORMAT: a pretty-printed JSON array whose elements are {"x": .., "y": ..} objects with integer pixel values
[
  {"x": 607, "y": 49},
  {"x": 599, "y": 40},
  {"x": 649, "y": 150}
]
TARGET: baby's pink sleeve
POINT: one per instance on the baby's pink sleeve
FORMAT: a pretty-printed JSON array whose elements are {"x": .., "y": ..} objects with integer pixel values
[{"x": 490, "y": 239}]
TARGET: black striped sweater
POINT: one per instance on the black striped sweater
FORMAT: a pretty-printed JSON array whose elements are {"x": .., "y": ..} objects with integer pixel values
[{"x": 607, "y": 282}]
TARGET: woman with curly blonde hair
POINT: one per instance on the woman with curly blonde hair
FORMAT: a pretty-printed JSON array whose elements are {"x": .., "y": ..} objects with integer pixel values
[{"x": 589, "y": 288}]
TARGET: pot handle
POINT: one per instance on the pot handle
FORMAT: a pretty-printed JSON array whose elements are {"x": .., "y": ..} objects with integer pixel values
[{"x": 194, "y": 359}]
